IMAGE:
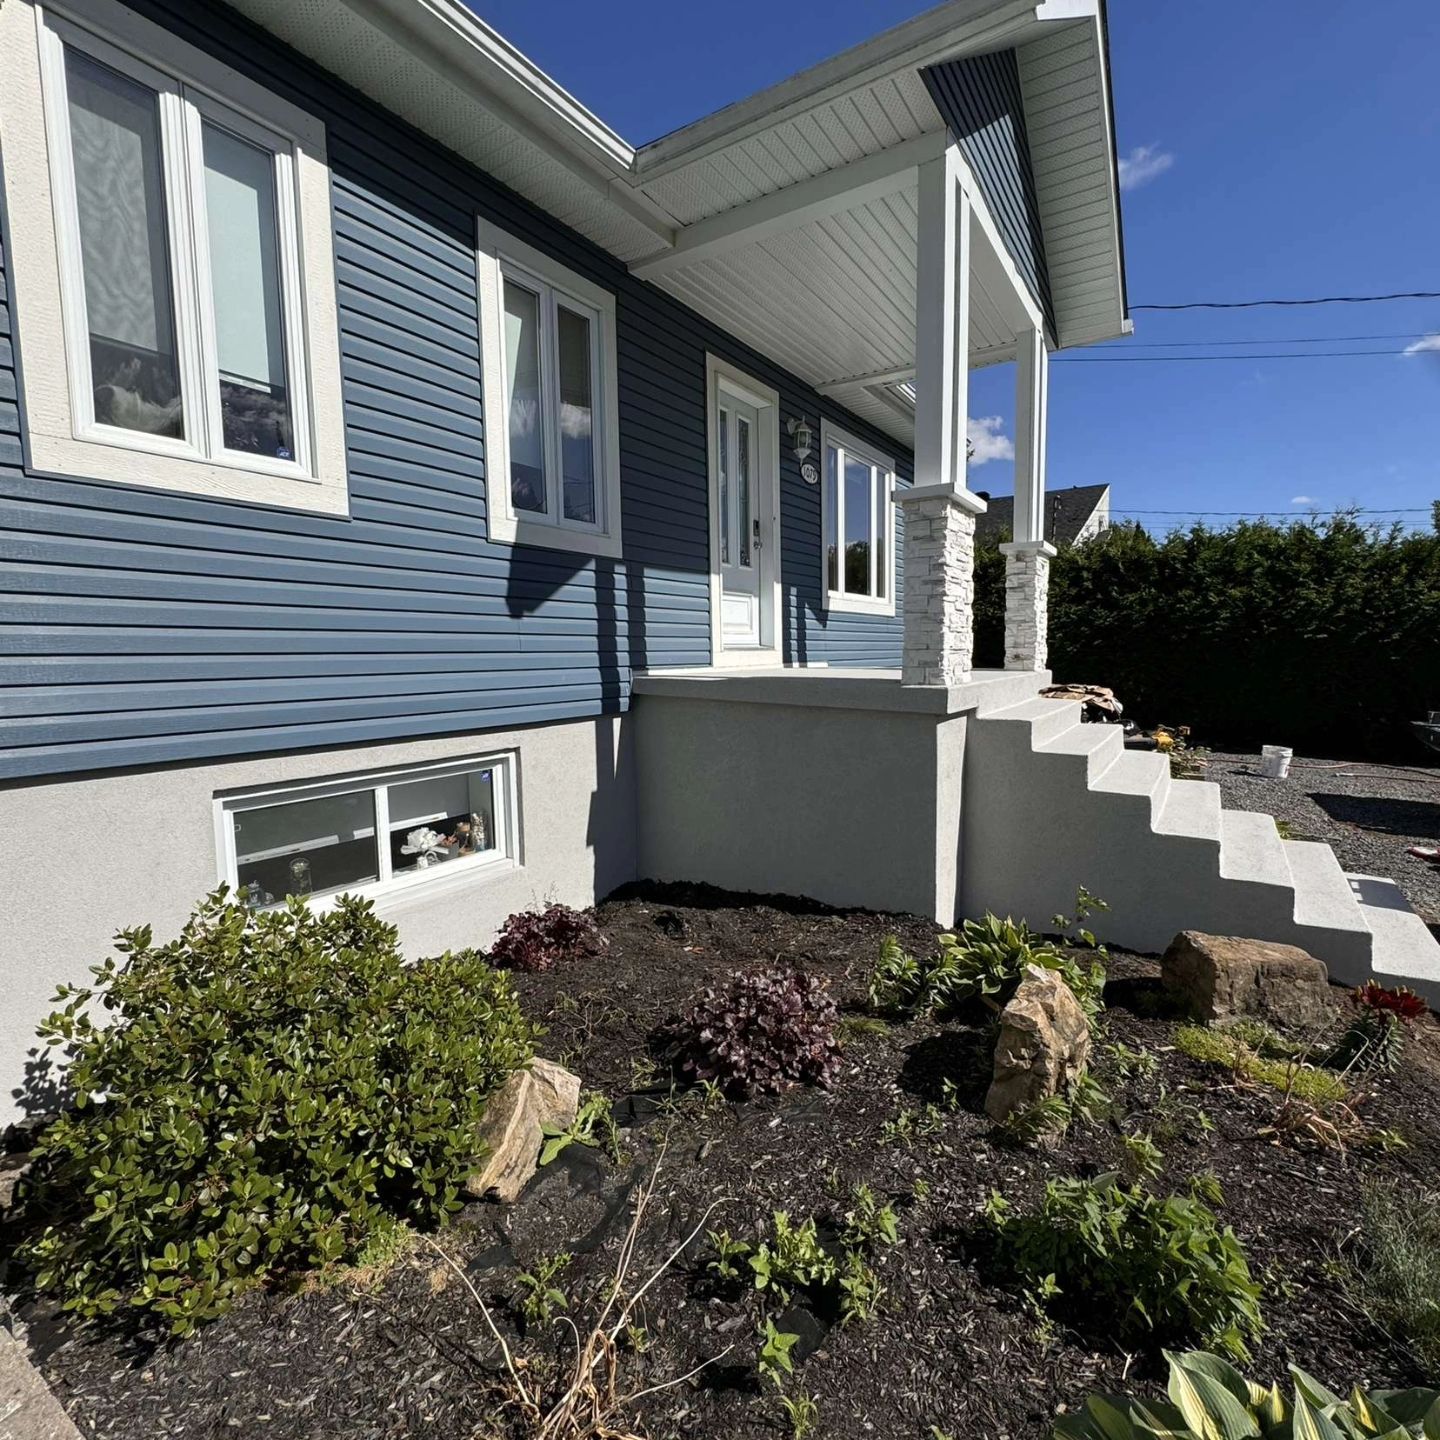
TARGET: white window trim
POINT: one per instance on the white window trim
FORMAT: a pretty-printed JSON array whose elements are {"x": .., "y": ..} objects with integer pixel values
[
  {"x": 850, "y": 444},
  {"x": 53, "y": 357},
  {"x": 504, "y": 859},
  {"x": 498, "y": 253}
]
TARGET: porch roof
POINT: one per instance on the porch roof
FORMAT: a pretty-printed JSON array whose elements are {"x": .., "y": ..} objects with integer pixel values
[{"x": 790, "y": 217}]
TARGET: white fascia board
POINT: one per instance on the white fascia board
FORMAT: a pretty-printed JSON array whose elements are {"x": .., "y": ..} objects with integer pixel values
[
  {"x": 829, "y": 193},
  {"x": 958, "y": 27}
]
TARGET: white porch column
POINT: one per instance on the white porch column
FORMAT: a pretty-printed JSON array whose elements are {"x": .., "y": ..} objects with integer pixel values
[
  {"x": 1028, "y": 555},
  {"x": 939, "y": 639}
]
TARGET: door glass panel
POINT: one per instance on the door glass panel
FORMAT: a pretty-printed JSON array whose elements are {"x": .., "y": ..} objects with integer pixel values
[
  {"x": 742, "y": 468},
  {"x": 522, "y": 395},
  {"x": 724, "y": 487},
  {"x": 240, "y": 214},
  {"x": 858, "y": 520},
  {"x": 577, "y": 416},
  {"x": 832, "y": 517},
  {"x": 306, "y": 847},
  {"x": 443, "y": 818},
  {"x": 120, "y": 196},
  {"x": 882, "y": 529}
]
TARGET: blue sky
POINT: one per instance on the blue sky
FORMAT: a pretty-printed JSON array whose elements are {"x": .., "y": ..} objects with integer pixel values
[{"x": 1283, "y": 150}]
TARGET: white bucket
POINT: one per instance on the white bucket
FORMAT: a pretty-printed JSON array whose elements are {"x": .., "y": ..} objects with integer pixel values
[{"x": 1275, "y": 761}]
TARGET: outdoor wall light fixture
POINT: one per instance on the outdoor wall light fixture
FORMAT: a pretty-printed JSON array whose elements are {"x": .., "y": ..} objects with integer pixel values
[{"x": 803, "y": 438}]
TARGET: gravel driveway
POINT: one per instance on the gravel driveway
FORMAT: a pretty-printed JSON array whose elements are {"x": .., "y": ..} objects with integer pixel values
[{"x": 1368, "y": 814}]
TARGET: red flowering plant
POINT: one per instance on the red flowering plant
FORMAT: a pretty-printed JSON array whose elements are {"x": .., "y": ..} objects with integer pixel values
[{"x": 1376, "y": 1034}]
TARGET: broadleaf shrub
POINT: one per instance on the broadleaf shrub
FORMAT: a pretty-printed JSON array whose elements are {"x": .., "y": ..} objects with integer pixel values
[
  {"x": 1148, "y": 1269},
  {"x": 271, "y": 1090},
  {"x": 538, "y": 940},
  {"x": 1318, "y": 635},
  {"x": 761, "y": 1032}
]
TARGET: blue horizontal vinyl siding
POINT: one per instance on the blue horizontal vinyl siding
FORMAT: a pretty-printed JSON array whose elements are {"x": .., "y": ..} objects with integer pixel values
[
  {"x": 982, "y": 104},
  {"x": 139, "y": 627}
]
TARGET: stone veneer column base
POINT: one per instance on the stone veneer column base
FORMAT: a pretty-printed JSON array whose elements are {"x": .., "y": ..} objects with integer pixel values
[
  {"x": 939, "y": 607},
  {"x": 1027, "y": 603}
]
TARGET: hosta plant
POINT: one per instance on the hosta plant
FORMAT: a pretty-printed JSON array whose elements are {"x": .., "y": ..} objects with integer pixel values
[
  {"x": 262, "y": 1095},
  {"x": 539, "y": 940},
  {"x": 1147, "y": 1269},
  {"x": 1210, "y": 1400},
  {"x": 761, "y": 1032},
  {"x": 982, "y": 962},
  {"x": 1376, "y": 1033}
]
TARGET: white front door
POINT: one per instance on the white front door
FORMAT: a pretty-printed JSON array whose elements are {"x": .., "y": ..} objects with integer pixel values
[{"x": 744, "y": 430}]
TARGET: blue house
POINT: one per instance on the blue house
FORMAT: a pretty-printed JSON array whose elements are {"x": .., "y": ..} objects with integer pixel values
[{"x": 408, "y": 486}]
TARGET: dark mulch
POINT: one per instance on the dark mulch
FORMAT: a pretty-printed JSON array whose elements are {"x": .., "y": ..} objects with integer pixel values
[{"x": 410, "y": 1355}]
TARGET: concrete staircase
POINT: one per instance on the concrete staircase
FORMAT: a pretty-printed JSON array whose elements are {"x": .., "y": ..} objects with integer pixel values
[{"x": 1052, "y": 803}]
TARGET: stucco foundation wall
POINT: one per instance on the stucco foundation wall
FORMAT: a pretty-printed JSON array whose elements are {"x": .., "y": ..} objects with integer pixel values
[
  {"x": 82, "y": 857},
  {"x": 847, "y": 806}
]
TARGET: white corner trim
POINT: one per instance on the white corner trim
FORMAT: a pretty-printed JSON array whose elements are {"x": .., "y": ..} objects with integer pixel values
[
  {"x": 834, "y": 601},
  {"x": 57, "y": 440},
  {"x": 496, "y": 248},
  {"x": 766, "y": 401}
]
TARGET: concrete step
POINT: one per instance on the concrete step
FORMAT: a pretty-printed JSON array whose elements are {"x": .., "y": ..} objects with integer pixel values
[
  {"x": 1191, "y": 808},
  {"x": 1405, "y": 952},
  {"x": 1137, "y": 772},
  {"x": 1251, "y": 849},
  {"x": 1046, "y": 718},
  {"x": 1322, "y": 892},
  {"x": 1097, "y": 745}
]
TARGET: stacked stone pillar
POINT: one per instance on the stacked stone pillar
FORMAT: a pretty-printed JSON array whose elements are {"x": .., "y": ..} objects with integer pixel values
[
  {"x": 939, "y": 640},
  {"x": 1027, "y": 603}
]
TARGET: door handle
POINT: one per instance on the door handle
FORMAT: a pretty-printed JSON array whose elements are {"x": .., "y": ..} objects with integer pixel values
[{"x": 755, "y": 533}]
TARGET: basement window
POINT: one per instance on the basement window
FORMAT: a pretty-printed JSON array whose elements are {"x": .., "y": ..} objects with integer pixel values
[
  {"x": 368, "y": 835},
  {"x": 857, "y": 524}
]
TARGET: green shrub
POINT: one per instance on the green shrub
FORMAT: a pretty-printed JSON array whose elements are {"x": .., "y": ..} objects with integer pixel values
[
  {"x": 1397, "y": 1272},
  {"x": 271, "y": 1089},
  {"x": 1132, "y": 1264},
  {"x": 984, "y": 961},
  {"x": 1227, "y": 1048},
  {"x": 1210, "y": 1400},
  {"x": 1321, "y": 633}
]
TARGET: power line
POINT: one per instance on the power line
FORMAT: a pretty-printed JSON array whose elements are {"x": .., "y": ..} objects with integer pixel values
[
  {"x": 1344, "y": 510},
  {"x": 1320, "y": 300},
  {"x": 1128, "y": 344},
  {"x": 1263, "y": 355}
]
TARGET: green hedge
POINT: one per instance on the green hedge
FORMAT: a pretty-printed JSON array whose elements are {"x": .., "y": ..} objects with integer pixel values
[{"x": 1323, "y": 636}]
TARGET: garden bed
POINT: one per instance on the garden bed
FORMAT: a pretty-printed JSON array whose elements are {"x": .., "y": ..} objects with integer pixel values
[{"x": 953, "y": 1349}]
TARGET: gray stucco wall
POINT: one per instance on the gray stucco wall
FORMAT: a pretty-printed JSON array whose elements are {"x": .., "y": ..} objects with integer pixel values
[
  {"x": 848, "y": 806},
  {"x": 83, "y": 856}
]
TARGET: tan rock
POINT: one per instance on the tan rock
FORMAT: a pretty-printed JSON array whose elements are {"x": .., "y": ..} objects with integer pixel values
[
  {"x": 1044, "y": 1045},
  {"x": 1222, "y": 977},
  {"x": 545, "y": 1094}
]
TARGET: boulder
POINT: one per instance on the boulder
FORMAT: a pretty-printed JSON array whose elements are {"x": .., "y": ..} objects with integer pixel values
[
  {"x": 1044, "y": 1045},
  {"x": 12, "y": 1170},
  {"x": 1224, "y": 977},
  {"x": 543, "y": 1094}
]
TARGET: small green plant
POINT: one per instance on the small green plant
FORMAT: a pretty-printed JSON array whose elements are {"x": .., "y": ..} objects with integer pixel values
[
  {"x": 801, "y": 1412},
  {"x": 1129, "y": 1063},
  {"x": 1086, "y": 905},
  {"x": 869, "y": 1223},
  {"x": 594, "y": 1126},
  {"x": 1085, "y": 1103},
  {"x": 1395, "y": 1274},
  {"x": 909, "y": 1125},
  {"x": 920, "y": 1189},
  {"x": 791, "y": 1258},
  {"x": 235, "y": 1104},
  {"x": 1226, "y": 1048},
  {"x": 860, "y": 1288},
  {"x": 855, "y": 1027},
  {"x": 1210, "y": 1400},
  {"x": 775, "y": 1348},
  {"x": 1155, "y": 1269},
  {"x": 540, "y": 1296},
  {"x": 728, "y": 1255},
  {"x": 1144, "y": 1159}
]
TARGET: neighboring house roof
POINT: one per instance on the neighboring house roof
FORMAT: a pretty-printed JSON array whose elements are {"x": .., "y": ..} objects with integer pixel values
[
  {"x": 1069, "y": 515},
  {"x": 788, "y": 218}
]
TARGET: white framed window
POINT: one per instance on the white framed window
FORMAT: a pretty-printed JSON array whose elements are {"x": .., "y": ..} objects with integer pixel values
[
  {"x": 173, "y": 264},
  {"x": 857, "y": 508},
  {"x": 552, "y": 443},
  {"x": 369, "y": 834}
]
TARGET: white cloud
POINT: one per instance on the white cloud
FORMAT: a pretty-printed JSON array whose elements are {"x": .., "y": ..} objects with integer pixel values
[
  {"x": 1142, "y": 165},
  {"x": 1303, "y": 500},
  {"x": 1428, "y": 342},
  {"x": 989, "y": 442}
]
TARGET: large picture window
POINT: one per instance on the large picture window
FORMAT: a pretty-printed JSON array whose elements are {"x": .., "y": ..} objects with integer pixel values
[
  {"x": 368, "y": 834},
  {"x": 857, "y": 523},
  {"x": 167, "y": 281},
  {"x": 551, "y": 442}
]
